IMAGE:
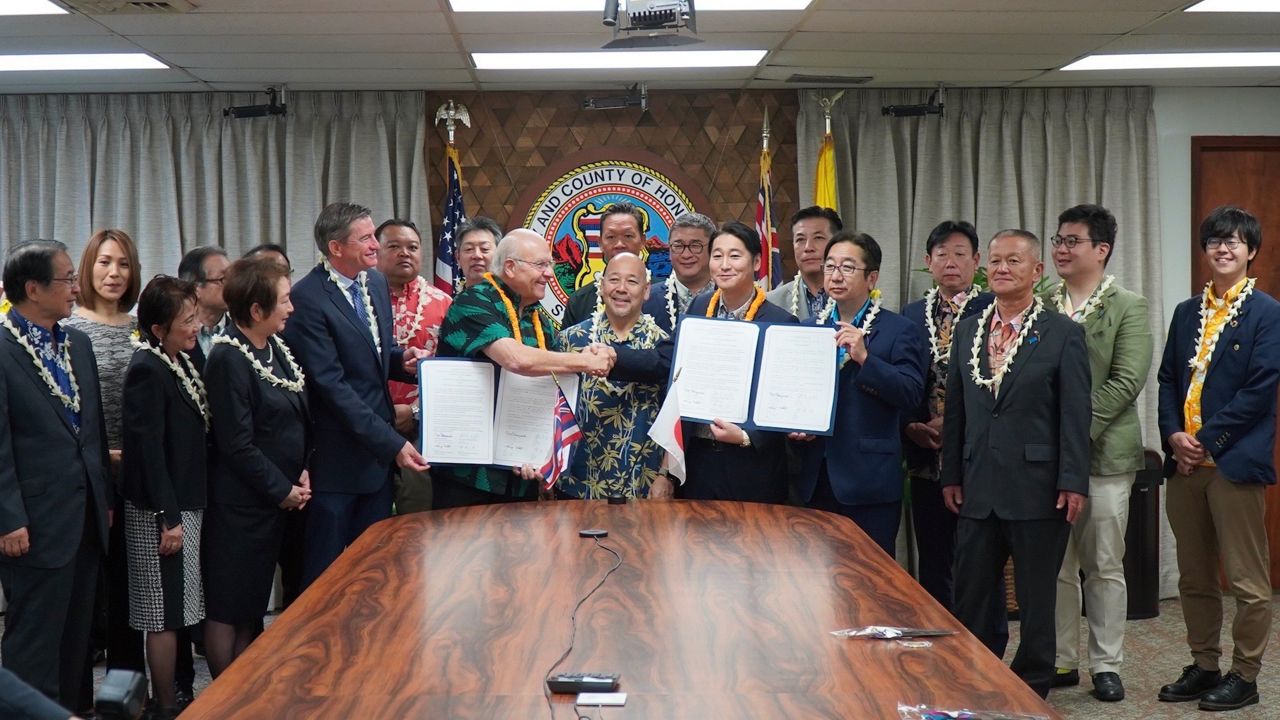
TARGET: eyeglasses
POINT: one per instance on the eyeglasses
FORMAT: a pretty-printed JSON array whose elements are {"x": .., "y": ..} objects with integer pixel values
[
  {"x": 845, "y": 269},
  {"x": 691, "y": 248},
  {"x": 1231, "y": 243},
  {"x": 69, "y": 280},
  {"x": 540, "y": 266},
  {"x": 1071, "y": 241}
]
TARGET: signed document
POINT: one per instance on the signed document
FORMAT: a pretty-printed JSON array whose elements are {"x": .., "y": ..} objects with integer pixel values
[
  {"x": 525, "y": 417},
  {"x": 796, "y": 384},
  {"x": 457, "y": 399},
  {"x": 715, "y": 361}
]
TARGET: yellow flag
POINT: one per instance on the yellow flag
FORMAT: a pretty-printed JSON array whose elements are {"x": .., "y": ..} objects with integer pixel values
[{"x": 824, "y": 184}]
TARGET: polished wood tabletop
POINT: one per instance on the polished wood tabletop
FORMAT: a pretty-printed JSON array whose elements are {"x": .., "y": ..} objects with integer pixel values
[{"x": 720, "y": 610}]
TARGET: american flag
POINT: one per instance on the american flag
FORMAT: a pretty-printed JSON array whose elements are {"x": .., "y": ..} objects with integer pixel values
[
  {"x": 770, "y": 273},
  {"x": 565, "y": 433},
  {"x": 448, "y": 274}
]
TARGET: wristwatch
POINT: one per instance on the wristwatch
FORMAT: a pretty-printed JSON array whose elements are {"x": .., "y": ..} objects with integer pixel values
[
  {"x": 416, "y": 411},
  {"x": 746, "y": 439}
]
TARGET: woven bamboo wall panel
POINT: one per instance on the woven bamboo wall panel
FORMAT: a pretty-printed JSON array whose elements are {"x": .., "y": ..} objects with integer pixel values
[{"x": 714, "y": 137}]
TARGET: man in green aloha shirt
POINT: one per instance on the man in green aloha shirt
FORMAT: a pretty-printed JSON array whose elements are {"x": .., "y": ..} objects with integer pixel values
[{"x": 499, "y": 319}]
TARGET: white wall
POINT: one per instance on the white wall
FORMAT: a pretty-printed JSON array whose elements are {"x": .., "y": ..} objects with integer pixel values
[{"x": 1181, "y": 113}]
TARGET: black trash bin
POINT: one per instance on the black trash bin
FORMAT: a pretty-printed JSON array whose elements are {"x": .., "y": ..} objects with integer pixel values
[{"x": 1142, "y": 541}]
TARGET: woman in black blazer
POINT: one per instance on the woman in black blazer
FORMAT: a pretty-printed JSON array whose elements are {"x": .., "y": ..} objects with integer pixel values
[
  {"x": 725, "y": 461},
  {"x": 164, "y": 423},
  {"x": 261, "y": 436}
]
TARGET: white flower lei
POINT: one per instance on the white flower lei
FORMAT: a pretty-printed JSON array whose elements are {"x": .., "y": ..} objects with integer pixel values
[
  {"x": 979, "y": 338},
  {"x": 940, "y": 353},
  {"x": 867, "y": 319},
  {"x": 363, "y": 281},
  {"x": 72, "y": 402},
  {"x": 296, "y": 385},
  {"x": 795, "y": 297},
  {"x": 191, "y": 383},
  {"x": 423, "y": 301},
  {"x": 1090, "y": 304},
  {"x": 672, "y": 292},
  {"x": 1203, "y": 365}
]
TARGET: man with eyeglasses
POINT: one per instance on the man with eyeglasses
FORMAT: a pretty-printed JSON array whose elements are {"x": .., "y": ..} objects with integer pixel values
[
  {"x": 1218, "y": 380},
  {"x": 1120, "y": 345},
  {"x": 341, "y": 333},
  {"x": 206, "y": 266},
  {"x": 417, "y": 310},
  {"x": 691, "y": 270},
  {"x": 501, "y": 319},
  {"x": 53, "y": 475},
  {"x": 621, "y": 230},
  {"x": 811, "y": 229}
]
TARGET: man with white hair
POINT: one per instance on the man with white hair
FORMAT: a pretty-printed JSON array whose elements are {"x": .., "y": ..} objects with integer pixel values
[{"x": 500, "y": 319}]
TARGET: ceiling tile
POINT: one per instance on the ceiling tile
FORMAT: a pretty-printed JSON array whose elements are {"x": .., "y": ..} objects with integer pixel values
[
  {"x": 1022, "y": 43},
  {"x": 353, "y": 61},
  {"x": 293, "y": 43},
  {"x": 363, "y": 79},
  {"x": 275, "y": 24},
  {"x": 977, "y": 22},
  {"x": 860, "y": 60}
]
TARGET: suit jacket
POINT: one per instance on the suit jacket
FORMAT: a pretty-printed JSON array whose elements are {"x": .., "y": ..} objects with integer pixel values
[
  {"x": 356, "y": 443},
  {"x": 656, "y": 305},
  {"x": 261, "y": 432},
  {"x": 1238, "y": 402},
  {"x": 781, "y": 296},
  {"x": 915, "y": 455},
  {"x": 165, "y": 452},
  {"x": 864, "y": 453},
  {"x": 1014, "y": 452},
  {"x": 1120, "y": 348},
  {"x": 580, "y": 306},
  {"x": 767, "y": 443},
  {"x": 48, "y": 471}
]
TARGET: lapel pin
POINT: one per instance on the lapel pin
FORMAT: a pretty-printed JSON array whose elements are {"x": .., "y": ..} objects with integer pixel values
[{"x": 1235, "y": 323}]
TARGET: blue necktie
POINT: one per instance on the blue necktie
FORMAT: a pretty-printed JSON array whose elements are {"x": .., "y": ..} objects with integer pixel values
[{"x": 354, "y": 291}]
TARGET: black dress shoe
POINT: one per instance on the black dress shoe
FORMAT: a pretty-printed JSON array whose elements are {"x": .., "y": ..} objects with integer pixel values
[
  {"x": 1194, "y": 683},
  {"x": 1107, "y": 687},
  {"x": 1065, "y": 679},
  {"x": 1232, "y": 693},
  {"x": 182, "y": 697}
]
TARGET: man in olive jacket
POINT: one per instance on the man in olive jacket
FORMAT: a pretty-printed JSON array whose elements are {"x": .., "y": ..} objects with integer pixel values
[{"x": 1119, "y": 342}]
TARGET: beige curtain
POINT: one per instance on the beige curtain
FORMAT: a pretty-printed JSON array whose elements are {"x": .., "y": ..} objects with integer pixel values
[
  {"x": 175, "y": 173},
  {"x": 999, "y": 158}
]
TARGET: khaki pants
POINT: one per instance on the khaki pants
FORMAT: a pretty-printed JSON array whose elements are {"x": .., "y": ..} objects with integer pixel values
[
  {"x": 413, "y": 491},
  {"x": 1096, "y": 546},
  {"x": 1220, "y": 526}
]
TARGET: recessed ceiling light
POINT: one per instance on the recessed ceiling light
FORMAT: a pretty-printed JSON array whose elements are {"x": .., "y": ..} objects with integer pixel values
[
  {"x": 621, "y": 60},
  {"x": 1169, "y": 61},
  {"x": 524, "y": 6},
  {"x": 90, "y": 61},
  {"x": 30, "y": 7},
  {"x": 1235, "y": 6}
]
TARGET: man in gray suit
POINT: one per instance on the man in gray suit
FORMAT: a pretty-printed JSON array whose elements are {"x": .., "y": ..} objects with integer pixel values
[
  {"x": 53, "y": 487},
  {"x": 1015, "y": 453},
  {"x": 811, "y": 229}
]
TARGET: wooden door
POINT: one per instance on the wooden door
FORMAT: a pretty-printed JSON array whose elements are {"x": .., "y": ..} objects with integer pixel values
[{"x": 1242, "y": 171}]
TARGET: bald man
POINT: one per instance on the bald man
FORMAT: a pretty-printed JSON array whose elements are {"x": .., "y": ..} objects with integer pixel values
[{"x": 499, "y": 319}]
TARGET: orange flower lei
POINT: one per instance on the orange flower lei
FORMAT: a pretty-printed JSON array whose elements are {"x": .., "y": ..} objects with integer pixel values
[
  {"x": 756, "y": 301},
  {"x": 515, "y": 319}
]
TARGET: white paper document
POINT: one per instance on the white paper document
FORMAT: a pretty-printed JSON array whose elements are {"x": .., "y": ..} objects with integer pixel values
[
  {"x": 457, "y": 411},
  {"x": 716, "y": 361},
  {"x": 526, "y": 417},
  {"x": 797, "y": 379}
]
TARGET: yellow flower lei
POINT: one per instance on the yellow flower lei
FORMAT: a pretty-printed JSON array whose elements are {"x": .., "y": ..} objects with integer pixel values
[
  {"x": 756, "y": 302},
  {"x": 515, "y": 319}
]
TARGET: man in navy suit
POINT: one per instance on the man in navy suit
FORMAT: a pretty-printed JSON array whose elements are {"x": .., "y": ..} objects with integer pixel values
[
  {"x": 951, "y": 254},
  {"x": 53, "y": 482},
  {"x": 341, "y": 334},
  {"x": 857, "y": 472},
  {"x": 1217, "y": 416}
]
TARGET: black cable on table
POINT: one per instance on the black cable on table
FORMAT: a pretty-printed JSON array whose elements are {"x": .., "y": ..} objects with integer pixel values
[{"x": 573, "y": 626}]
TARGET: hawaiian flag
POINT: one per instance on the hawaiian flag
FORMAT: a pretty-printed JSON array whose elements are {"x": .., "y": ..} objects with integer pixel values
[
  {"x": 770, "y": 272},
  {"x": 448, "y": 275},
  {"x": 666, "y": 431},
  {"x": 564, "y": 434}
]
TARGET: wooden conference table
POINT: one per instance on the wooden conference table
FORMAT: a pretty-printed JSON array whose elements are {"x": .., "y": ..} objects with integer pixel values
[{"x": 720, "y": 610}]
